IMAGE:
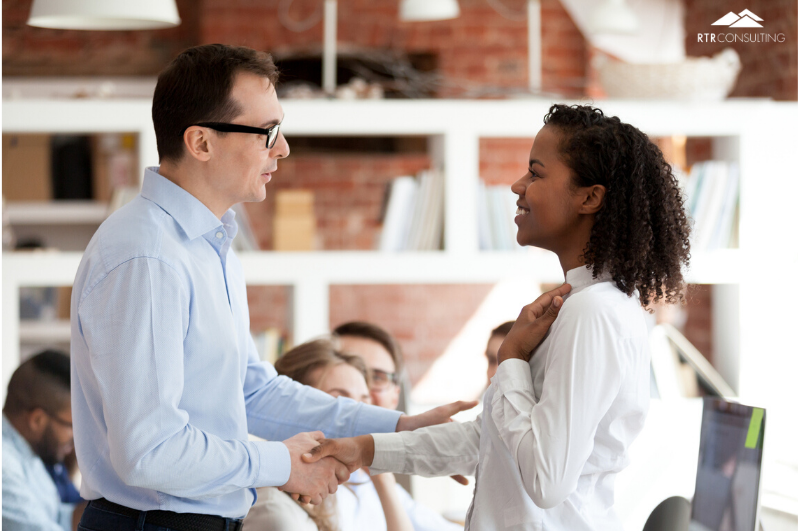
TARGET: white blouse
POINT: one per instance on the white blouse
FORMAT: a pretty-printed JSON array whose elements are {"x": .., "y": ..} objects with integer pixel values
[
  {"x": 554, "y": 432},
  {"x": 359, "y": 508},
  {"x": 274, "y": 510}
]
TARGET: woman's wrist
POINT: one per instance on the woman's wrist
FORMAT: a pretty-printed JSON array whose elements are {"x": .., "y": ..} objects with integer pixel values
[{"x": 506, "y": 352}]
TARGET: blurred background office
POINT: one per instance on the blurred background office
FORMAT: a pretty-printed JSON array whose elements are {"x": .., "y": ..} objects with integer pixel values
[{"x": 407, "y": 126}]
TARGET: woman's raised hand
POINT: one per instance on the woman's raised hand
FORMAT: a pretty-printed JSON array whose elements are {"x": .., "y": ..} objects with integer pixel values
[{"x": 532, "y": 324}]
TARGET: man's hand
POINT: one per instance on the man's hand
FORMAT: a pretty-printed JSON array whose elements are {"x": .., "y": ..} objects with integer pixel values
[
  {"x": 312, "y": 482},
  {"x": 437, "y": 415},
  {"x": 354, "y": 452},
  {"x": 532, "y": 324}
]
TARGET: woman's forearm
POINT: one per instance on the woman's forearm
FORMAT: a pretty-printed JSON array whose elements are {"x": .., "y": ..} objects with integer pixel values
[{"x": 396, "y": 517}]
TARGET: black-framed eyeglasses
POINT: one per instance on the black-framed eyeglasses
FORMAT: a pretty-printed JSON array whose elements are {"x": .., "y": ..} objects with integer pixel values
[
  {"x": 270, "y": 132},
  {"x": 382, "y": 379},
  {"x": 58, "y": 419}
]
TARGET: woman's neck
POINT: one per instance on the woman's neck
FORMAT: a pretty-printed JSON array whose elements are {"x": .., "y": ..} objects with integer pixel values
[{"x": 571, "y": 261}]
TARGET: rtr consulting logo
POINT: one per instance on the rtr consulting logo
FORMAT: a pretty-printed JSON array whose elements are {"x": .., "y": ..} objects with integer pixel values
[{"x": 745, "y": 19}]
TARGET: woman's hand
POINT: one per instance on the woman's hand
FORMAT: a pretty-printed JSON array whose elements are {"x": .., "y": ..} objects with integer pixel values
[{"x": 532, "y": 324}]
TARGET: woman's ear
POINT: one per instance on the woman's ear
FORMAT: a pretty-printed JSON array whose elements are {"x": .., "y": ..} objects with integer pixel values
[
  {"x": 196, "y": 140},
  {"x": 592, "y": 199}
]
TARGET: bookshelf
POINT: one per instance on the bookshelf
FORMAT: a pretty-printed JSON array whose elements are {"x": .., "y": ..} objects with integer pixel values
[{"x": 760, "y": 135}]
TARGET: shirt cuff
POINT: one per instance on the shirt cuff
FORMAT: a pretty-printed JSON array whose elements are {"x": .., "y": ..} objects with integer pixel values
[
  {"x": 274, "y": 464},
  {"x": 389, "y": 453},
  {"x": 513, "y": 375},
  {"x": 374, "y": 419}
]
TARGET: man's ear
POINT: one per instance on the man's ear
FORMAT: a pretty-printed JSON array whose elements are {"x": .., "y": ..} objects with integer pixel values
[
  {"x": 592, "y": 198},
  {"x": 36, "y": 420},
  {"x": 196, "y": 140}
]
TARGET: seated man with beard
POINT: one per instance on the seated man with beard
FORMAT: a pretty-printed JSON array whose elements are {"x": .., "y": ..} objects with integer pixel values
[{"x": 37, "y": 432}]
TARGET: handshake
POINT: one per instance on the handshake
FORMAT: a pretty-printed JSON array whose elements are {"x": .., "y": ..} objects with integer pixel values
[{"x": 320, "y": 465}]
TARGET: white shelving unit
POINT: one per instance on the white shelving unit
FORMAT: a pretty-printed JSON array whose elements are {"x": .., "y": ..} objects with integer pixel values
[{"x": 760, "y": 135}]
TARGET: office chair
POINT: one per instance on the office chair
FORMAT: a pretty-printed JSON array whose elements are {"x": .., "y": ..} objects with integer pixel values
[{"x": 672, "y": 514}]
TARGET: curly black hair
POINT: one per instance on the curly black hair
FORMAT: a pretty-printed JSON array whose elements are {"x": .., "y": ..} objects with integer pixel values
[{"x": 641, "y": 232}]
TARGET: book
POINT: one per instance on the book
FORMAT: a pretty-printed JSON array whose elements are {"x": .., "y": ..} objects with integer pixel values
[
  {"x": 712, "y": 198},
  {"x": 270, "y": 344},
  {"x": 399, "y": 210}
]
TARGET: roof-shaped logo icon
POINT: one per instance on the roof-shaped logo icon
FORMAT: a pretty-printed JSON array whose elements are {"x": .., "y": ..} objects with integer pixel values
[{"x": 745, "y": 19}]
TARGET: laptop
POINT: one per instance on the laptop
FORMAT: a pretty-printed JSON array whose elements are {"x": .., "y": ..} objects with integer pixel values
[{"x": 727, "y": 489}]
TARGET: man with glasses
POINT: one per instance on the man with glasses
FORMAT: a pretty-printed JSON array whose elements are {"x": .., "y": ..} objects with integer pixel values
[
  {"x": 167, "y": 380},
  {"x": 380, "y": 353},
  {"x": 37, "y": 432}
]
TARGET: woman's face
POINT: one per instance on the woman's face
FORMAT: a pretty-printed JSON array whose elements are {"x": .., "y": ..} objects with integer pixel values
[
  {"x": 343, "y": 380},
  {"x": 547, "y": 213}
]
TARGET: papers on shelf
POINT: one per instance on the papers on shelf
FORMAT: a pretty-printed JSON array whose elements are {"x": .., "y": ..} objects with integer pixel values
[
  {"x": 270, "y": 344},
  {"x": 497, "y": 207},
  {"x": 414, "y": 217},
  {"x": 712, "y": 201}
]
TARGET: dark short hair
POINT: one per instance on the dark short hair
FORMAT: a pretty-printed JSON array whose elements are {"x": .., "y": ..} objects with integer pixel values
[
  {"x": 43, "y": 381},
  {"x": 641, "y": 233},
  {"x": 503, "y": 329},
  {"x": 375, "y": 333},
  {"x": 196, "y": 87}
]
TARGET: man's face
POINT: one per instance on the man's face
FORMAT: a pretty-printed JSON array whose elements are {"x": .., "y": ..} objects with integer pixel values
[
  {"x": 492, "y": 347},
  {"x": 241, "y": 162},
  {"x": 55, "y": 440},
  {"x": 385, "y": 393}
]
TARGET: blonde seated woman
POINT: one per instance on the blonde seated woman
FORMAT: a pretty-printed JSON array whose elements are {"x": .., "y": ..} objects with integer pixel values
[{"x": 373, "y": 503}]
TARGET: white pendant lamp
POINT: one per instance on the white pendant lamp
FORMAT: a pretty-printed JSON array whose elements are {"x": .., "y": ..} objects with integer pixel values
[
  {"x": 419, "y": 10},
  {"x": 104, "y": 14},
  {"x": 613, "y": 16}
]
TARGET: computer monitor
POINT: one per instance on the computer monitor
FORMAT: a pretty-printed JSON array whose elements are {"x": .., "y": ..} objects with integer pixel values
[{"x": 726, "y": 494}]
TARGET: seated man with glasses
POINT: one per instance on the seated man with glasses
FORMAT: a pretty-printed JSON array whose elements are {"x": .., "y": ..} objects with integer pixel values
[
  {"x": 357, "y": 506},
  {"x": 380, "y": 352},
  {"x": 37, "y": 432}
]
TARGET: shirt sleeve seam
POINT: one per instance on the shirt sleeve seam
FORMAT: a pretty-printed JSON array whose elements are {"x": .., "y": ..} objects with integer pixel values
[{"x": 105, "y": 275}]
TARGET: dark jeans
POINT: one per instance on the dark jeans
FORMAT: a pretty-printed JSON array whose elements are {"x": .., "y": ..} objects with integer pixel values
[{"x": 96, "y": 519}]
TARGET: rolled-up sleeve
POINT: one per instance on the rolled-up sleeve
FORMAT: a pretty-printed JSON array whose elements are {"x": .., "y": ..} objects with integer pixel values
[
  {"x": 551, "y": 439},
  {"x": 134, "y": 321}
]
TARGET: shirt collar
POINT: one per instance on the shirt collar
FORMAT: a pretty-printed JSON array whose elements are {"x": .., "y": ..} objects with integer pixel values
[
  {"x": 581, "y": 277},
  {"x": 11, "y": 434},
  {"x": 191, "y": 214}
]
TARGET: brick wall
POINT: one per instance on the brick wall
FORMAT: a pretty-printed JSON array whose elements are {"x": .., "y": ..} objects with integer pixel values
[
  {"x": 29, "y": 51},
  {"x": 348, "y": 194},
  {"x": 478, "y": 49},
  {"x": 768, "y": 69},
  {"x": 503, "y": 160},
  {"x": 423, "y": 318}
]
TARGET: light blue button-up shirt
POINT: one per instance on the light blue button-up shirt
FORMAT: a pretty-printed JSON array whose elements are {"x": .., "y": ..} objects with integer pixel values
[
  {"x": 166, "y": 381},
  {"x": 30, "y": 498}
]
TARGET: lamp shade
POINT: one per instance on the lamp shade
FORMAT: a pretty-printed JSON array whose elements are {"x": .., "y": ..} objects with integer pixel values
[
  {"x": 418, "y": 10},
  {"x": 613, "y": 16},
  {"x": 104, "y": 14}
]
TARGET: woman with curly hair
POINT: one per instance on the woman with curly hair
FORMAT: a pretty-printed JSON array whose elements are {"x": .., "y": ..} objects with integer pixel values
[{"x": 566, "y": 403}]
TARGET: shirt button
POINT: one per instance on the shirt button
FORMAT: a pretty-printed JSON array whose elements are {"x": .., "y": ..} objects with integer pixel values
[{"x": 219, "y": 235}]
